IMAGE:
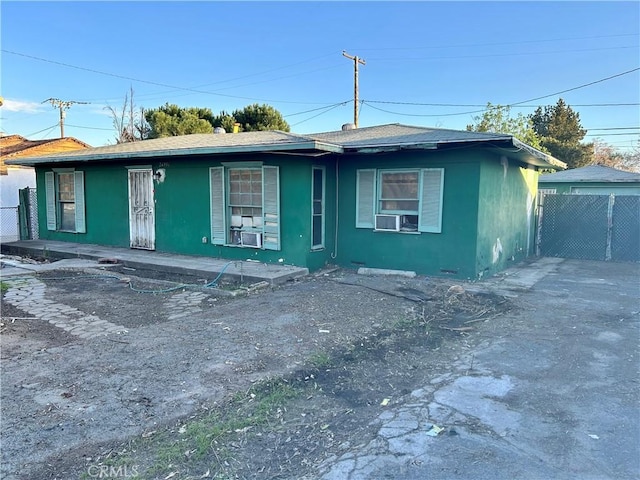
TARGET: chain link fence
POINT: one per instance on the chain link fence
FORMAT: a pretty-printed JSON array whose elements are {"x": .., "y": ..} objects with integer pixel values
[
  {"x": 590, "y": 227},
  {"x": 29, "y": 218},
  {"x": 9, "y": 227},
  {"x": 625, "y": 231}
]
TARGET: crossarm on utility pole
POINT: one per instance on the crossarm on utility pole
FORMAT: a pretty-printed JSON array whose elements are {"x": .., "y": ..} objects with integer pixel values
[{"x": 62, "y": 105}]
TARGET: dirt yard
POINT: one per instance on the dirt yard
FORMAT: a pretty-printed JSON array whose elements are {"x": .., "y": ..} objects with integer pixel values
[
  {"x": 276, "y": 383},
  {"x": 67, "y": 402}
]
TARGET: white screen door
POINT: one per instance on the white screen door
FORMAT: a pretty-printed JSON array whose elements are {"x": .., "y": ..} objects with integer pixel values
[{"x": 142, "y": 230}]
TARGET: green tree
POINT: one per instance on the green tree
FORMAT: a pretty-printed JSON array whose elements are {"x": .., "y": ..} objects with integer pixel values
[
  {"x": 498, "y": 119},
  {"x": 560, "y": 132},
  {"x": 170, "y": 120},
  {"x": 252, "y": 118}
]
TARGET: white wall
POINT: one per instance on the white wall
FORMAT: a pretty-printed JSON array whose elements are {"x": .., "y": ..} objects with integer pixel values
[{"x": 16, "y": 179}]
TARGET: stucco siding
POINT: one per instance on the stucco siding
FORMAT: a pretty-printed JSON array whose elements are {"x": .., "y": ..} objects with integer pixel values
[
  {"x": 182, "y": 209},
  {"x": 106, "y": 208},
  {"x": 451, "y": 252},
  {"x": 506, "y": 216}
]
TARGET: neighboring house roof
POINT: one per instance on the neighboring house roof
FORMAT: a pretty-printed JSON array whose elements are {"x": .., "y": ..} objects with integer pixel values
[
  {"x": 16, "y": 146},
  {"x": 363, "y": 140},
  {"x": 591, "y": 173}
]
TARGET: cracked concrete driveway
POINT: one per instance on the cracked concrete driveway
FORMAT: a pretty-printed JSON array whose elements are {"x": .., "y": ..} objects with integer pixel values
[{"x": 552, "y": 392}]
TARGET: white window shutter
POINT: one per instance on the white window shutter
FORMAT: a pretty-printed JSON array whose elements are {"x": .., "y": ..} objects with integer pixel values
[
  {"x": 430, "y": 218},
  {"x": 271, "y": 207},
  {"x": 78, "y": 185},
  {"x": 216, "y": 185},
  {"x": 365, "y": 198},
  {"x": 50, "y": 191}
]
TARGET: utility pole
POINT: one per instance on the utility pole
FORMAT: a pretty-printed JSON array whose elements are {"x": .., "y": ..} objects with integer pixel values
[
  {"x": 356, "y": 60},
  {"x": 62, "y": 105}
]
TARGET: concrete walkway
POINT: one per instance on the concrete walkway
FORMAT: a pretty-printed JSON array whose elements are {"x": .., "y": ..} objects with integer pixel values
[
  {"x": 246, "y": 271},
  {"x": 28, "y": 294}
]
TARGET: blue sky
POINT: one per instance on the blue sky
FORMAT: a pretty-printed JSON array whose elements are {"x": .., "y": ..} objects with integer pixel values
[{"x": 427, "y": 63}]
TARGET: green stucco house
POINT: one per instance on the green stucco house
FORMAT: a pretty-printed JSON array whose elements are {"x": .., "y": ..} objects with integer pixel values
[
  {"x": 432, "y": 201},
  {"x": 591, "y": 180}
]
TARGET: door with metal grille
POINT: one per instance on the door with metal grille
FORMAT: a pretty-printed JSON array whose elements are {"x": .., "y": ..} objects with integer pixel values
[{"x": 142, "y": 233}]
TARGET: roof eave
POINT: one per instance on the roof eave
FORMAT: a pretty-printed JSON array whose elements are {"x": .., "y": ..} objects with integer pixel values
[
  {"x": 528, "y": 154},
  {"x": 537, "y": 158},
  {"x": 373, "y": 148},
  {"x": 266, "y": 148}
]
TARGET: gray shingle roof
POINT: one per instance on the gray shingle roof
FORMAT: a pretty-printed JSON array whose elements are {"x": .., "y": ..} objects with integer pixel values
[
  {"x": 389, "y": 137},
  {"x": 184, "y": 145},
  {"x": 397, "y": 134},
  {"x": 591, "y": 173}
]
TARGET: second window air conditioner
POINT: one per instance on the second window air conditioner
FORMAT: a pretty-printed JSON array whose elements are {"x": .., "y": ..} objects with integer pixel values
[{"x": 251, "y": 239}]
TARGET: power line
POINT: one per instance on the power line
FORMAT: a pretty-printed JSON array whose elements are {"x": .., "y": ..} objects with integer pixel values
[
  {"x": 321, "y": 113},
  {"x": 546, "y": 40},
  {"x": 40, "y": 131},
  {"x": 278, "y": 78},
  {"x": 422, "y": 114},
  {"x": 89, "y": 128},
  {"x": 508, "y": 105},
  {"x": 514, "y": 54},
  {"x": 610, "y": 134},
  {"x": 619, "y": 145},
  {"x": 267, "y": 71},
  {"x": 164, "y": 85},
  {"x": 614, "y": 128},
  {"x": 467, "y": 105},
  {"x": 579, "y": 86},
  {"x": 316, "y": 109},
  {"x": 48, "y": 131},
  {"x": 274, "y": 79}
]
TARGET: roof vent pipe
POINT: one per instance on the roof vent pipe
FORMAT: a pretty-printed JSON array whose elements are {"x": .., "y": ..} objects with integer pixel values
[{"x": 348, "y": 126}]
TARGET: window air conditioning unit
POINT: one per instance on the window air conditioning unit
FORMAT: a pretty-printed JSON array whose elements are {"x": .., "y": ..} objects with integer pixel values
[
  {"x": 388, "y": 223},
  {"x": 251, "y": 239}
]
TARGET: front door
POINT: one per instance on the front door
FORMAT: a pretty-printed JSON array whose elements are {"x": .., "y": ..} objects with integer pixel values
[{"x": 142, "y": 230}]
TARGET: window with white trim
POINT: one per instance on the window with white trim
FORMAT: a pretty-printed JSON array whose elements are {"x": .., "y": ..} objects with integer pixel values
[
  {"x": 318, "y": 188},
  {"x": 64, "y": 191},
  {"x": 245, "y": 206},
  {"x": 402, "y": 200}
]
